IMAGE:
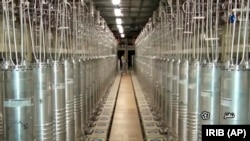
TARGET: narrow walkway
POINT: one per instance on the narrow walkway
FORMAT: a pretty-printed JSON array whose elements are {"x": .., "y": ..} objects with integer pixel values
[{"x": 126, "y": 123}]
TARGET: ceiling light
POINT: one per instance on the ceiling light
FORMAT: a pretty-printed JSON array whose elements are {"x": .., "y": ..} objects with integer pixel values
[
  {"x": 118, "y": 21},
  {"x": 117, "y": 12},
  {"x": 116, "y": 2},
  {"x": 122, "y": 35},
  {"x": 119, "y": 26},
  {"x": 121, "y": 30}
]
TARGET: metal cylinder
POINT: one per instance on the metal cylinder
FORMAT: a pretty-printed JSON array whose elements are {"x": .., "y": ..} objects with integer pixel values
[
  {"x": 210, "y": 95},
  {"x": 183, "y": 100},
  {"x": 234, "y": 95},
  {"x": 69, "y": 100},
  {"x": 1, "y": 107},
  {"x": 83, "y": 92},
  {"x": 169, "y": 93},
  {"x": 18, "y": 104},
  {"x": 175, "y": 98},
  {"x": 163, "y": 87},
  {"x": 193, "y": 115},
  {"x": 77, "y": 99},
  {"x": 1, "y": 127},
  {"x": 43, "y": 120},
  {"x": 89, "y": 87},
  {"x": 94, "y": 87},
  {"x": 165, "y": 93},
  {"x": 58, "y": 101},
  {"x": 159, "y": 90}
]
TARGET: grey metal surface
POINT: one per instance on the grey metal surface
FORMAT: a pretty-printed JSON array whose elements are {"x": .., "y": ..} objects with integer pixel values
[
  {"x": 193, "y": 115},
  {"x": 77, "y": 98},
  {"x": 58, "y": 101},
  {"x": 69, "y": 99},
  {"x": 83, "y": 92},
  {"x": 1, "y": 106},
  {"x": 175, "y": 98},
  {"x": 163, "y": 87},
  {"x": 169, "y": 93},
  {"x": 183, "y": 100},
  {"x": 89, "y": 88},
  {"x": 210, "y": 95},
  {"x": 234, "y": 96},
  {"x": 43, "y": 119},
  {"x": 18, "y": 104}
]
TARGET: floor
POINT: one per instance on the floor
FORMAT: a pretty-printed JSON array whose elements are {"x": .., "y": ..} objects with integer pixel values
[{"x": 126, "y": 123}]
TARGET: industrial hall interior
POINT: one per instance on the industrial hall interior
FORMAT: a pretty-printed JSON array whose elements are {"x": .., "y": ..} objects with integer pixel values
[{"x": 123, "y": 70}]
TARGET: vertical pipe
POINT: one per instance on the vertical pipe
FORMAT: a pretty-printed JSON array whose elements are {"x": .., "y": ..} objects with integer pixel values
[
  {"x": 210, "y": 95},
  {"x": 193, "y": 100},
  {"x": 69, "y": 99},
  {"x": 77, "y": 99},
  {"x": 183, "y": 100},
  {"x": 175, "y": 98},
  {"x": 1, "y": 105},
  {"x": 58, "y": 101},
  {"x": 43, "y": 120},
  {"x": 83, "y": 92},
  {"x": 169, "y": 93}
]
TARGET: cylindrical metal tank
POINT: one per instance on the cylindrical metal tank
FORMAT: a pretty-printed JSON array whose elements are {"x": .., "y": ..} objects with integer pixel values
[
  {"x": 83, "y": 92},
  {"x": 43, "y": 119},
  {"x": 58, "y": 100},
  {"x": 98, "y": 80},
  {"x": 88, "y": 88},
  {"x": 193, "y": 115},
  {"x": 163, "y": 88},
  {"x": 94, "y": 87},
  {"x": 4, "y": 66},
  {"x": 183, "y": 100},
  {"x": 169, "y": 92},
  {"x": 175, "y": 97},
  {"x": 77, "y": 99},
  {"x": 159, "y": 91},
  {"x": 210, "y": 95},
  {"x": 18, "y": 104},
  {"x": 166, "y": 92},
  {"x": 1, "y": 106},
  {"x": 69, "y": 100},
  {"x": 234, "y": 95}
]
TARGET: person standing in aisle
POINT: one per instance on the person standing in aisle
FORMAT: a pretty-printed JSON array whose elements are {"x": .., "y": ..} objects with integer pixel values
[{"x": 123, "y": 63}]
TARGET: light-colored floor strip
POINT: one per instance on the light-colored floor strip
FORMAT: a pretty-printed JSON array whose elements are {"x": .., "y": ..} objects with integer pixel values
[{"x": 126, "y": 123}]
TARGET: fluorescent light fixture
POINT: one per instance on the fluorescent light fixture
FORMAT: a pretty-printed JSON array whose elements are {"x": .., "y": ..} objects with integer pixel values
[
  {"x": 122, "y": 35},
  {"x": 116, "y": 2},
  {"x": 117, "y": 12},
  {"x": 118, "y": 21},
  {"x": 119, "y": 26},
  {"x": 121, "y": 30}
]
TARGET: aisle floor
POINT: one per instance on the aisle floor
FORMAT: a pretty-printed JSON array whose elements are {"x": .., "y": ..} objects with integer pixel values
[{"x": 126, "y": 123}]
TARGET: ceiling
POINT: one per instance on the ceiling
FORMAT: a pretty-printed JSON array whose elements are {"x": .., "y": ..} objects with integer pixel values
[{"x": 136, "y": 14}]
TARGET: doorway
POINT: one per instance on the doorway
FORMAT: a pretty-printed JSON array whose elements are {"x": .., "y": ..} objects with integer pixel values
[{"x": 131, "y": 53}]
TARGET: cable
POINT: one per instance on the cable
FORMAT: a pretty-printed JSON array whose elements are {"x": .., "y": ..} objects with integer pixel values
[
  {"x": 31, "y": 34},
  {"x": 233, "y": 34},
  {"x": 14, "y": 32},
  {"x": 246, "y": 30},
  {"x": 21, "y": 26},
  {"x": 8, "y": 28}
]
